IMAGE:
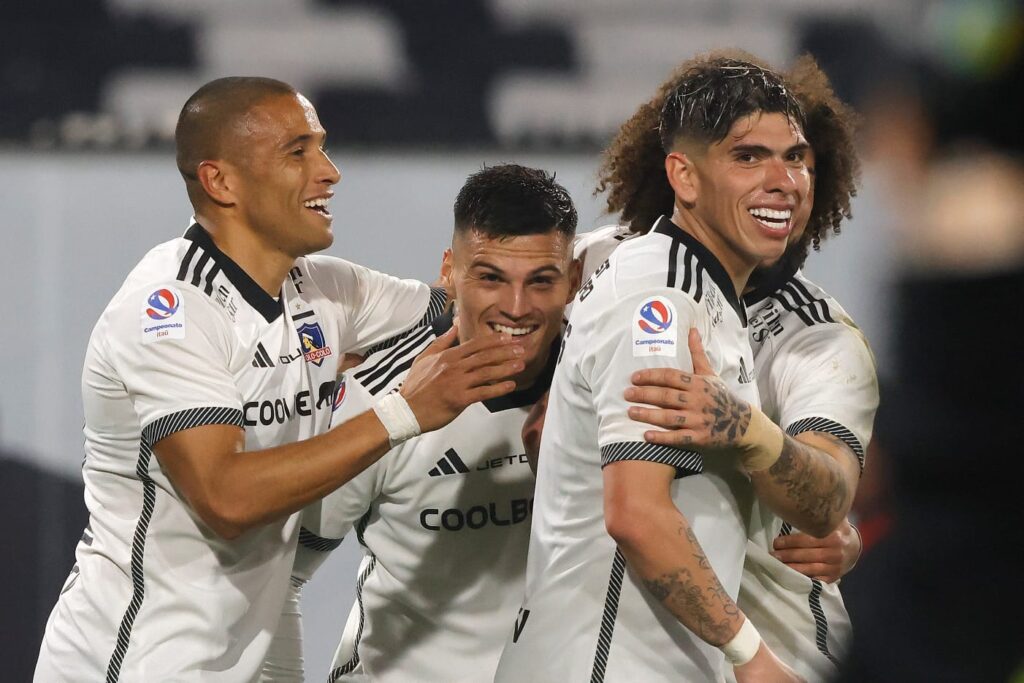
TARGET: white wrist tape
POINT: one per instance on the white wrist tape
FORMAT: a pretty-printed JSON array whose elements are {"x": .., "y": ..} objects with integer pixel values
[
  {"x": 743, "y": 646},
  {"x": 397, "y": 417}
]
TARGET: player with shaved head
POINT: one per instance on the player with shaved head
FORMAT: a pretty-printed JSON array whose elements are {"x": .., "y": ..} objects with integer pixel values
[{"x": 208, "y": 386}]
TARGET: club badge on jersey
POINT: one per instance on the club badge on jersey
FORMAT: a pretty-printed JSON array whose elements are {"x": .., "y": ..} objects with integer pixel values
[
  {"x": 314, "y": 347},
  {"x": 163, "y": 316},
  {"x": 654, "y": 328}
]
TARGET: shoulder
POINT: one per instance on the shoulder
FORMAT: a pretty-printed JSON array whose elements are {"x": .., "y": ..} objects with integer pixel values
[{"x": 385, "y": 367}]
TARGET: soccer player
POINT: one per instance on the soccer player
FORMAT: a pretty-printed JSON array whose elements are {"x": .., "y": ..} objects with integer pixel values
[
  {"x": 636, "y": 549},
  {"x": 207, "y": 381},
  {"x": 816, "y": 378},
  {"x": 444, "y": 517}
]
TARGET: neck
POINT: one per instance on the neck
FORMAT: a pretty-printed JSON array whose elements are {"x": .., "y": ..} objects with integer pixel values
[
  {"x": 737, "y": 268},
  {"x": 268, "y": 267}
]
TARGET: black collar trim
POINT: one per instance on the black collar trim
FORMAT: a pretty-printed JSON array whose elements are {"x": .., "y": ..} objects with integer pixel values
[
  {"x": 253, "y": 294},
  {"x": 709, "y": 261},
  {"x": 517, "y": 399}
]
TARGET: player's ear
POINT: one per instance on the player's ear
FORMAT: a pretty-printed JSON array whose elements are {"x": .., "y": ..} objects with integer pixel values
[
  {"x": 446, "y": 272},
  {"x": 682, "y": 177},
  {"x": 217, "y": 181},
  {"x": 575, "y": 278}
]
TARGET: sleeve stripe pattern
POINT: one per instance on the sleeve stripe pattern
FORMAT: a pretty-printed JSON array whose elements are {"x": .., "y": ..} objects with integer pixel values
[
  {"x": 611, "y": 609},
  {"x": 826, "y": 426},
  {"x": 820, "y": 622},
  {"x": 809, "y": 309},
  {"x": 307, "y": 539},
  {"x": 353, "y": 661},
  {"x": 150, "y": 435},
  {"x": 396, "y": 363},
  {"x": 435, "y": 307},
  {"x": 687, "y": 463}
]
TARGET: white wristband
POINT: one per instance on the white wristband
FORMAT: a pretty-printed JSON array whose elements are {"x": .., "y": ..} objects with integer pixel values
[
  {"x": 743, "y": 646},
  {"x": 397, "y": 417}
]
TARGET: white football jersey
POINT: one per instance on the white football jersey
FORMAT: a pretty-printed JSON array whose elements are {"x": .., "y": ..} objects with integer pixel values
[
  {"x": 190, "y": 340},
  {"x": 585, "y": 615},
  {"x": 815, "y": 372},
  {"x": 444, "y": 521}
]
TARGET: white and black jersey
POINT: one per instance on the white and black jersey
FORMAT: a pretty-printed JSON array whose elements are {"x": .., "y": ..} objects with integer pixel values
[
  {"x": 444, "y": 521},
  {"x": 586, "y": 616},
  {"x": 816, "y": 373},
  {"x": 190, "y": 340}
]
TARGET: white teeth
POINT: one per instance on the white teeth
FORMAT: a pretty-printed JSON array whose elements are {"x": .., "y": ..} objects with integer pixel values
[
  {"x": 320, "y": 202},
  {"x": 772, "y": 214},
  {"x": 514, "y": 331}
]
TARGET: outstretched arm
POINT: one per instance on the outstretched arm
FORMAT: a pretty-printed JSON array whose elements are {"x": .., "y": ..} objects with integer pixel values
[{"x": 808, "y": 480}]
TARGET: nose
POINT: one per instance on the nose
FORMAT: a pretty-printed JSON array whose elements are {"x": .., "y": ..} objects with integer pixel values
[
  {"x": 328, "y": 173},
  {"x": 780, "y": 177},
  {"x": 515, "y": 304}
]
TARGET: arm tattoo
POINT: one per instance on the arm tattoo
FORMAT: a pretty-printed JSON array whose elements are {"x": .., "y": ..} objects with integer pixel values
[
  {"x": 816, "y": 486},
  {"x": 728, "y": 417},
  {"x": 698, "y": 605}
]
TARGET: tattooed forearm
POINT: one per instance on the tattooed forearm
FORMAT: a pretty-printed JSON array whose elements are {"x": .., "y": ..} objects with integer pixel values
[
  {"x": 697, "y": 598},
  {"x": 727, "y": 416},
  {"x": 814, "y": 486}
]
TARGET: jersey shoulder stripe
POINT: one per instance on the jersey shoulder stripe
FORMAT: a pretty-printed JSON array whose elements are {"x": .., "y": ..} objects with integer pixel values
[
  {"x": 378, "y": 372},
  {"x": 826, "y": 426},
  {"x": 435, "y": 307},
  {"x": 308, "y": 539},
  {"x": 811, "y": 308}
]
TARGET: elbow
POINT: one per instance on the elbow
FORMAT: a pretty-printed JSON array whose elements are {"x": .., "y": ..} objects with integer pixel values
[
  {"x": 225, "y": 520},
  {"x": 625, "y": 522}
]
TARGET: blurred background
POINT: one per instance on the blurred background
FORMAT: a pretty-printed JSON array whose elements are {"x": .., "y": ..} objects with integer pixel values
[{"x": 417, "y": 94}]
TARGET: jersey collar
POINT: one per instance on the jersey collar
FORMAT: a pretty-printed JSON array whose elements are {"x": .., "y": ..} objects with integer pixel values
[
  {"x": 254, "y": 295},
  {"x": 770, "y": 282},
  {"x": 516, "y": 399},
  {"x": 709, "y": 261}
]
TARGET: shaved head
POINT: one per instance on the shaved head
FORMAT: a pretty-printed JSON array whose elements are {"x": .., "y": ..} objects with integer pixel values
[{"x": 211, "y": 118}]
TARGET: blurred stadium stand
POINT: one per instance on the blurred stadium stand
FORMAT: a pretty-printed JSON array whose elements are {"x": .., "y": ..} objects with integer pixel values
[{"x": 469, "y": 73}]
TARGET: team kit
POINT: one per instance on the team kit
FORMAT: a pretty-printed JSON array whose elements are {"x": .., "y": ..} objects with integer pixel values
[{"x": 571, "y": 458}]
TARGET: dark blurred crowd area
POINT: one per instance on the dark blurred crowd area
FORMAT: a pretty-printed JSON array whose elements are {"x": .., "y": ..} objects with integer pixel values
[{"x": 938, "y": 594}]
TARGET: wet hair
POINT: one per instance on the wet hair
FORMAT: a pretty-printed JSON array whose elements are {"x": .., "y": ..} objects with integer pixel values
[
  {"x": 700, "y": 102},
  {"x": 208, "y": 117},
  {"x": 510, "y": 200}
]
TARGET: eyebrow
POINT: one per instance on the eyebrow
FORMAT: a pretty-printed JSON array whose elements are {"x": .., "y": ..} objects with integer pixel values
[
  {"x": 545, "y": 268},
  {"x": 761, "y": 150},
  {"x": 305, "y": 137}
]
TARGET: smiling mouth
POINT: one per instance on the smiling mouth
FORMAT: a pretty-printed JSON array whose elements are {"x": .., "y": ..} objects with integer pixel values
[
  {"x": 318, "y": 205},
  {"x": 518, "y": 331},
  {"x": 775, "y": 220}
]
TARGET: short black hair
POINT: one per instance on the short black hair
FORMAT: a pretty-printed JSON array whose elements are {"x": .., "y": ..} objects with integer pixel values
[
  {"x": 509, "y": 200},
  {"x": 713, "y": 94},
  {"x": 208, "y": 117}
]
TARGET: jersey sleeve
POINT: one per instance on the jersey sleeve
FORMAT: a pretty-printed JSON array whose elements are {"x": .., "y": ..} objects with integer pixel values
[
  {"x": 325, "y": 523},
  {"x": 825, "y": 381},
  {"x": 379, "y": 306},
  {"x": 173, "y": 351},
  {"x": 647, "y": 330}
]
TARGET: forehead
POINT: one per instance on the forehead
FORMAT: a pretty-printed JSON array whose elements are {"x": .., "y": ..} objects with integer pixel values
[
  {"x": 770, "y": 129},
  {"x": 473, "y": 247},
  {"x": 279, "y": 119}
]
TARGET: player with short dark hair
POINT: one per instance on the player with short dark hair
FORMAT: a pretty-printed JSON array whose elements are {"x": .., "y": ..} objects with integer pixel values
[
  {"x": 444, "y": 518},
  {"x": 207, "y": 387},
  {"x": 636, "y": 550}
]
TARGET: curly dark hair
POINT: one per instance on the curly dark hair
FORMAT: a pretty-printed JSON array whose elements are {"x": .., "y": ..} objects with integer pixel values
[
  {"x": 702, "y": 100},
  {"x": 509, "y": 200}
]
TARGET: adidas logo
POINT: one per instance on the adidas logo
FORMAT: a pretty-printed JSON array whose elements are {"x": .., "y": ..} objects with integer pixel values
[
  {"x": 451, "y": 463},
  {"x": 261, "y": 359},
  {"x": 745, "y": 376}
]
